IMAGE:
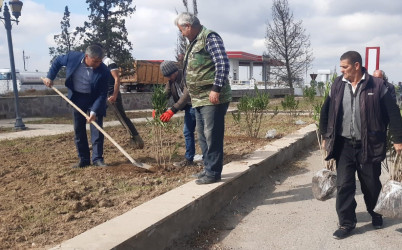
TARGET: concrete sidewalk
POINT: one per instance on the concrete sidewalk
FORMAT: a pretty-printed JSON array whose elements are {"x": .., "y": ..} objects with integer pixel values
[
  {"x": 35, "y": 130},
  {"x": 280, "y": 212}
]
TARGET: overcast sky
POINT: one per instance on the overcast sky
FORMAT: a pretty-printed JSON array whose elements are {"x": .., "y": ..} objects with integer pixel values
[{"x": 334, "y": 27}]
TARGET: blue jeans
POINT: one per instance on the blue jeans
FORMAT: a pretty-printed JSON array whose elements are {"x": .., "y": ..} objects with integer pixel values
[
  {"x": 211, "y": 127},
  {"x": 80, "y": 131},
  {"x": 188, "y": 132}
]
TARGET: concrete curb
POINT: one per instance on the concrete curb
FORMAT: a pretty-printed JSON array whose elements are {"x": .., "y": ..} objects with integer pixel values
[{"x": 156, "y": 223}]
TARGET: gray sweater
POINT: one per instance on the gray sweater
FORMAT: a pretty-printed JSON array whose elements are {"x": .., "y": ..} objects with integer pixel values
[{"x": 178, "y": 90}]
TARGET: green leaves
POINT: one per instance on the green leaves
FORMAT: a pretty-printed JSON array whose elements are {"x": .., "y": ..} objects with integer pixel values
[
  {"x": 65, "y": 41},
  {"x": 253, "y": 107},
  {"x": 107, "y": 26},
  {"x": 159, "y": 103},
  {"x": 258, "y": 102},
  {"x": 309, "y": 93},
  {"x": 318, "y": 105},
  {"x": 291, "y": 104},
  {"x": 164, "y": 149}
]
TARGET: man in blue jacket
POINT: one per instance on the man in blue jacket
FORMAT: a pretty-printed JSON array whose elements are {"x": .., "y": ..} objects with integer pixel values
[{"x": 86, "y": 80}]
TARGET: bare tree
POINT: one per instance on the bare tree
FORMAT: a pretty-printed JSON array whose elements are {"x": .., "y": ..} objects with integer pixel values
[
  {"x": 287, "y": 42},
  {"x": 195, "y": 8}
]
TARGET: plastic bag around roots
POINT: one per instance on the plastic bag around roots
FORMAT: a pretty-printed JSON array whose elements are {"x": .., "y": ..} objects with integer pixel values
[
  {"x": 389, "y": 202},
  {"x": 324, "y": 184}
]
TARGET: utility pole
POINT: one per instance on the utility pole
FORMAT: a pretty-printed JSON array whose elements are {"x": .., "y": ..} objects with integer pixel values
[{"x": 25, "y": 58}]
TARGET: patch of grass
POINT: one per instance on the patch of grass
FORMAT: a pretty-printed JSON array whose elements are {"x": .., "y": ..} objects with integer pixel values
[
  {"x": 125, "y": 186},
  {"x": 68, "y": 119},
  {"x": 280, "y": 123},
  {"x": 8, "y": 143},
  {"x": 28, "y": 149},
  {"x": 52, "y": 120},
  {"x": 304, "y": 105},
  {"x": 6, "y": 130}
]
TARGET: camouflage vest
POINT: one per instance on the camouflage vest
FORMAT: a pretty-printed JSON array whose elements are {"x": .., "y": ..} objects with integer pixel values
[{"x": 200, "y": 73}]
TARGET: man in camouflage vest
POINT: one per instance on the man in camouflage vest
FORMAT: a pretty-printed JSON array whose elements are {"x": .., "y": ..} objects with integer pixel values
[{"x": 206, "y": 70}]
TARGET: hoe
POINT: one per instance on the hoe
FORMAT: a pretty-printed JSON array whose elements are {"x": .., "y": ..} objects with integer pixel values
[{"x": 136, "y": 163}]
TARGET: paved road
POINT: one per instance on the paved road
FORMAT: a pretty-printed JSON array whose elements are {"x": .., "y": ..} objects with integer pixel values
[{"x": 281, "y": 213}]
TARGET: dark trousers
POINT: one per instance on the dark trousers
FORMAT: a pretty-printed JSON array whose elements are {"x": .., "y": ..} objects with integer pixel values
[
  {"x": 348, "y": 162},
  {"x": 119, "y": 112},
  {"x": 80, "y": 137},
  {"x": 210, "y": 122}
]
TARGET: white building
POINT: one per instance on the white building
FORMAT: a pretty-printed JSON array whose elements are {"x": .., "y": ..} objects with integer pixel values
[{"x": 243, "y": 66}]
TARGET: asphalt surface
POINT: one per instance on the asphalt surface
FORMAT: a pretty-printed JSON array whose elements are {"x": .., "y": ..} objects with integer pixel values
[{"x": 281, "y": 213}]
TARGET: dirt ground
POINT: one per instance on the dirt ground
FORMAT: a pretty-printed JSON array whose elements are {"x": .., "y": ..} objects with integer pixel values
[{"x": 44, "y": 201}]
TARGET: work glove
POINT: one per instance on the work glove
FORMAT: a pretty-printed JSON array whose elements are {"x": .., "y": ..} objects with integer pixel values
[
  {"x": 153, "y": 113},
  {"x": 165, "y": 117}
]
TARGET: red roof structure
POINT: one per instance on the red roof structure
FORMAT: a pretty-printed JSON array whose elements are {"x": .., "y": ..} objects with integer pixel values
[
  {"x": 244, "y": 56},
  {"x": 245, "y": 59}
]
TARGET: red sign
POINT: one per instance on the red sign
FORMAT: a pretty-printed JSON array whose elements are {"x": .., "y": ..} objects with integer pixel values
[{"x": 313, "y": 76}]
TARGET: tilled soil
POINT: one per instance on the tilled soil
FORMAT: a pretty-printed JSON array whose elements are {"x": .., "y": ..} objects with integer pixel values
[{"x": 44, "y": 201}]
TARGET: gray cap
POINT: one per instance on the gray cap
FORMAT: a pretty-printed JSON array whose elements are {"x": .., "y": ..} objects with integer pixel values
[{"x": 168, "y": 68}]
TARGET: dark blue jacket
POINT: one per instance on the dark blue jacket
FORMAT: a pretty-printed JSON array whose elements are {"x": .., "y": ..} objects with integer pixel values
[{"x": 99, "y": 85}]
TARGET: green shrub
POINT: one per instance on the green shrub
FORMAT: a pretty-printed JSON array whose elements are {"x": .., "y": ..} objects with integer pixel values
[
  {"x": 291, "y": 104},
  {"x": 253, "y": 108}
]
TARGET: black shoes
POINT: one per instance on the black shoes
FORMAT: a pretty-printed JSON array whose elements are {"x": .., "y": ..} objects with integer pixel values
[
  {"x": 137, "y": 142},
  {"x": 376, "y": 221},
  {"x": 81, "y": 164},
  {"x": 184, "y": 163},
  {"x": 206, "y": 180},
  {"x": 203, "y": 178},
  {"x": 99, "y": 163},
  {"x": 199, "y": 175},
  {"x": 342, "y": 232}
]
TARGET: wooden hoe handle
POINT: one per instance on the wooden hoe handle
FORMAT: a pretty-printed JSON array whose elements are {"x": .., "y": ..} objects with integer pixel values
[{"x": 138, "y": 164}]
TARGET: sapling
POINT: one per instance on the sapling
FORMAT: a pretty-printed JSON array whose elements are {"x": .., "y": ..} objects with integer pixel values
[
  {"x": 253, "y": 108},
  {"x": 163, "y": 148}
]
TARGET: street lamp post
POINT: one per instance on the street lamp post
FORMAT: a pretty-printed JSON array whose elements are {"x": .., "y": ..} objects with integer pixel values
[{"x": 16, "y": 6}]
